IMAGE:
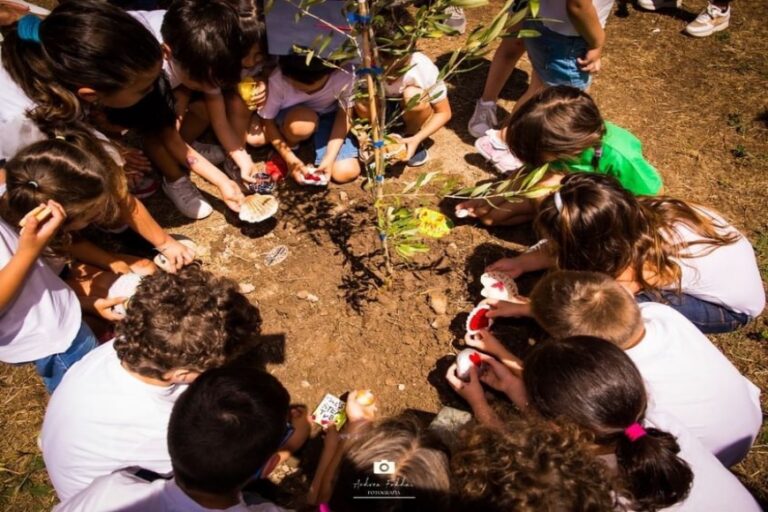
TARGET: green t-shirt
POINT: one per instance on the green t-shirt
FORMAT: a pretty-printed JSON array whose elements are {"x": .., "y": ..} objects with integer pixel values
[{"x": 622, "y": 158}]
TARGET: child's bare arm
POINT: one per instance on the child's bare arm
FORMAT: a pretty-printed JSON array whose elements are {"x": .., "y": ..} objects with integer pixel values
[
  {"x": 33, "y": 238},
  {"x": 182, "y": 96},
  {"x": 232, "y": 144},
  {"x": 441, "y": 115},
  {"x": 186, "y": 155},
  {"x": 87, "y": 252},
  {"x": 341, "y": 125},
  {"x": 584, "y": 17}
]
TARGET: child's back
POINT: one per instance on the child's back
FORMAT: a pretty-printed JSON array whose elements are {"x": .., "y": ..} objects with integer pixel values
[
  {"x": 688, "y": 377},
  {"x": 283, "y": 95}
]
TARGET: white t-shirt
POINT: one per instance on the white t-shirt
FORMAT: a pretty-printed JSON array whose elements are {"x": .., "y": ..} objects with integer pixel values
[
  {"x": 16, "y": 129},
  {"x": 153, "y": 20},
  {"x": 281, "y": 95},
  {"x": 688, "y": 377},
  {"x": 122, "y": 491},
  {"x": 552, "y": 10},
  {"x": 714, "y": 488},
  {"x": 727, "y": 275},
  {"x": 45, "y": 316},
  {"x": 101, "y": 419},
  {"x": 421, "y": 73}
]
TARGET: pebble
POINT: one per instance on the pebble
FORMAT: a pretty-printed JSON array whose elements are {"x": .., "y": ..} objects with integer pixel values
[
  {"x": 343, "y": 196},
  {"x": 389, "y": 381},
  {"x": 305, "y": 295},
  {"x": 246, "y": 288},
  {"x": 438, "y": 302},
  {"x": 305, "y": 384},
  {"x": 401, "y": 387}
]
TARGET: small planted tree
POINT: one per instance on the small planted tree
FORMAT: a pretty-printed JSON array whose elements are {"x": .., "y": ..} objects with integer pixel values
[{"x": 404, "y": 218}]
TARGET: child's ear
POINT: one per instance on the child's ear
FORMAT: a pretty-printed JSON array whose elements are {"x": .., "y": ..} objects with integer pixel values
[
  {"x": 270, "y": 466},
  {"x": 167, "y": 53},
  {"x": 87, "y": 94},
  {"x": 181, "y": 376}
]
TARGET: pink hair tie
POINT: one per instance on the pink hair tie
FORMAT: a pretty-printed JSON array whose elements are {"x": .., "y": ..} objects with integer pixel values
[
  {"x": 323, "y": 507},
  {"x": 634, "y": 432}
]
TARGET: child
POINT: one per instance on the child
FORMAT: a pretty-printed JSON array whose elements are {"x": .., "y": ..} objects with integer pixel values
[
  {"x": 660, "y": 249},
  {"x": 76, "y": 172},
  {"x": 201, "y": 53},
  {"x": 237, "y": 415},
  {"x": 659, "y": 463},
  {"x": 413, "y": 83},
  {"x": 112, "y": 411},
  {"x": 415, "y": 468},
  {"x": 34, "y": 302},
  {"x": 310, "y": 100},
  {"x": 561, "y": 126},
  {"x": 686, "y": 375},
  {"x": 567, "y": 51},
  {"x": 529, "y": 465}
]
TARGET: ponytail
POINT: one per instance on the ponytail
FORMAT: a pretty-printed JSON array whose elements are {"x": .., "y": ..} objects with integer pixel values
[
  {"x": 653, "y": 473},
  {"x": 88, "y": 43},
  {"x": 592, "y": 383}
]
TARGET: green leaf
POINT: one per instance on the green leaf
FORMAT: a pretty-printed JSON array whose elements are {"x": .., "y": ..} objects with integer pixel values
[
  {"x": 534, "y": 6},
  {"x": 528, "y": 33},
  {"x": 482, "y": 189}
]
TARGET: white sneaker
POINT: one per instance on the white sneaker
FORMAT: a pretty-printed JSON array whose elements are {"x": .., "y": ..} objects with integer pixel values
[
  {"x": 211, "y": 152},
  {"x": 456, "y": 20},
  {"x": 483, "y": 118},
  {"x": 712, "y": 19},
  {"x": 655, "y": 5},
  {"x": 185, "y": 196}
]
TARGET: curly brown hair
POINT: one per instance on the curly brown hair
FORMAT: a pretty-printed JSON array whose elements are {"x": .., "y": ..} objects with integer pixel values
[
  {"x": 191, "y": 320},
  {"x": 529, "y": 466}
]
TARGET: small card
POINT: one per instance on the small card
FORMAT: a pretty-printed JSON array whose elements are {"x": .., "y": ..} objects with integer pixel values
[{"x": 330, "y": 410}]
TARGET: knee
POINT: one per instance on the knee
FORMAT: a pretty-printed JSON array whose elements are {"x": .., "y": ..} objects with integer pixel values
[
  {"x": 255, "y": 135},
  {"x": 411, "y": 92},
  {"x": 300, "y": 123},
  {"x": 361, "y": 110},
  {"x": 346, "y": 170}
]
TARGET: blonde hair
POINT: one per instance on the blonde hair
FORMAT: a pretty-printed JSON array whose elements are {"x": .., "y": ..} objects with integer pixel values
[{"x": 574, "y": 303}]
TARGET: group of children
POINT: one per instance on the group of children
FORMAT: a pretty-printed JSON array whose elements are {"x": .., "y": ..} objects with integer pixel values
[{"x": 629, "y": 407}]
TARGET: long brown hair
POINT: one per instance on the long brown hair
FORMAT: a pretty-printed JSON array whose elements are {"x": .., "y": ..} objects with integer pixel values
[
  {"x": 85, "y": 43},
  {"x": 594, "y": 384},
  {"x": 602, "y": 227},
  {"x": 72, "y": 169},
  {"x": 557, "y": 123}
]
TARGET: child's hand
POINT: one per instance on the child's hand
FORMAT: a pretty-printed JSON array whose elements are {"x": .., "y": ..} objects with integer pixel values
[
  {"x": 176, "y": 253},
  {"x": 135, "y": 161},
  {"x": 504, "y": 308},
  {"x": 297, "y": 169},
  {"x": 497, "y": 375},
  {"x": 35, "y": 234},
  {"x": 510, "y": 266},
  {"x": 485, "y": 341},
  {"x": 258, "y": 95},
  {"x": 591, "y": 61},
  {"x": 325, "y": 168},
  {"x": 412, "y": 144},
  {"x": 471, "y": 391},
  {"x": 232, "y": 195},
  {"x": 104, "y": 308},
  {"x": 248, "y": 173}
]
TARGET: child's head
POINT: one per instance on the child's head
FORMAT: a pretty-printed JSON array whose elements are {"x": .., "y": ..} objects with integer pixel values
[
  {"x": 203, "y": 43},
  {"x": 556, "y": 124},
  {"x": 226, "y": 426},
  {"x": 419, "y": 469},
  {"x": 253, "y": 32},
  {"x": 529, "y": 466},
  {"x": 572, "y": 303},
  {"x": 593, "y": 384},
  {"x": 86, "y": 50},
  {"x": 393, "y": 28},
  {"x": 179, "y": 325},
  {"x": 72, "y": 169},
  {"x": 307, "y": 77},
  {"x": 595, "y": 224}
]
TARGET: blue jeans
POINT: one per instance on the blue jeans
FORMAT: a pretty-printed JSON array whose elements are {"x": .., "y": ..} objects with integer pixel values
[
  {"x": 710, "y": 318},
  {"x": 52, "y": 368},
  {"x": 554, "y": 55}
]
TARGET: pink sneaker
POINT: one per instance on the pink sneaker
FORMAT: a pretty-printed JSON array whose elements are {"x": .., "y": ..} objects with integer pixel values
[{"x": 495, "y": 151}]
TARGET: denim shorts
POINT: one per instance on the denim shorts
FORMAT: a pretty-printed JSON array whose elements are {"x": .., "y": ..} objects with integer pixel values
[
  {"x": 323, "y": 134},
  {"x": 52, "y": 368},
  {"x": 710, "y": 318},
  {"x": 553, "y": 57}
]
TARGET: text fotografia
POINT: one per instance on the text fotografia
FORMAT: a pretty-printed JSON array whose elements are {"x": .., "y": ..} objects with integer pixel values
[{"x": 372, "y": 489}]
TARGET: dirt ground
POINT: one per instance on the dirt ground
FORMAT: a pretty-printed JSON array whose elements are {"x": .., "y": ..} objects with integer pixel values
[{"x": 699, "y": 106}]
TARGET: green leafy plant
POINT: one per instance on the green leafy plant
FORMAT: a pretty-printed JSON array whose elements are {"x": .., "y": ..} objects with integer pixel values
[{"x": 404, "y": 220}]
